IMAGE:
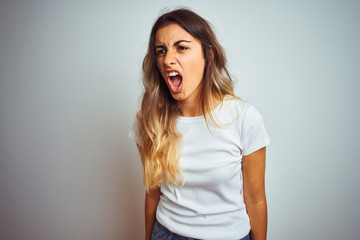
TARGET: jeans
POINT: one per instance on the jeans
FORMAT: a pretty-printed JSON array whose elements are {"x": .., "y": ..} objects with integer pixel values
[{"x": 161, "y": 233}]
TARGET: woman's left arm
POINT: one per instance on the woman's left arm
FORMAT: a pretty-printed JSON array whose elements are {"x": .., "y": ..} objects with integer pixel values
[{"x": 253, "y": 168}]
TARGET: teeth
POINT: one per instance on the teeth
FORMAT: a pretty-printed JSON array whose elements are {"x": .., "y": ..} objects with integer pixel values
[{"x": 172, "y": 74}]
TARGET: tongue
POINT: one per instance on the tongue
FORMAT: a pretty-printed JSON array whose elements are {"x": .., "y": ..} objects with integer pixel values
[{"x": 176, "y": 81}]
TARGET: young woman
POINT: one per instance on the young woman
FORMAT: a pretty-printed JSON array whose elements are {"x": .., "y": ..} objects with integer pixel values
[{"x": 202, "y": 148}]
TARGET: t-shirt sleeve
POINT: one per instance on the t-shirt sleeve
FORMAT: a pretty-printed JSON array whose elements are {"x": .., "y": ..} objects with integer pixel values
[
  {"x": 133, "y": 133},
  {"x": 253, "y": 133}
]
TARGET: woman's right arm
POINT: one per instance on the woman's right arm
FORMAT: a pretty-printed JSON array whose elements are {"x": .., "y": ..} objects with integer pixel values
[{"x": 151, "y": 201}]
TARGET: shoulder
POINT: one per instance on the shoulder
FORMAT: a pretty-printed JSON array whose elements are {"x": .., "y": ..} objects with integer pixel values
[
  {"x": 237, "y": 112},
  {"x": 233, "y": 108}
]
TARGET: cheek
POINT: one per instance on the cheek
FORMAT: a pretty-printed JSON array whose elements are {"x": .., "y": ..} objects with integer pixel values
[
  {"x": 158, "y": 64},
  {"x": 160, "y": 67},
  {"x": 197, "y": 68}
]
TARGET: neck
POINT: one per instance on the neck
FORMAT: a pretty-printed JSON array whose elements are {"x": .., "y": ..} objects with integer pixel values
[{"x": 190, "y": 107}]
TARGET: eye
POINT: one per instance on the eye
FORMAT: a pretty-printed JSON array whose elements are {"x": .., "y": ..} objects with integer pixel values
[
  {"x": 182, "y": 48},
  {"x": 160, "y": 52}
]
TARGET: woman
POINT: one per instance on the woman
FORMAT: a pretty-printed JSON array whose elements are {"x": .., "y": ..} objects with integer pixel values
[{"x": 202, "y": 148}]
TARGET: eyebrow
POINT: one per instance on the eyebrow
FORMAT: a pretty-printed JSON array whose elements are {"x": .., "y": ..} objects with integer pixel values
[{"x": 175, "y": 44}]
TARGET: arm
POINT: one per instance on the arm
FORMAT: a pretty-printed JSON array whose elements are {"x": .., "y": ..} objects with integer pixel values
[
  {"x": 151, "y": 201},
  {"x": 253, "y": 167}
]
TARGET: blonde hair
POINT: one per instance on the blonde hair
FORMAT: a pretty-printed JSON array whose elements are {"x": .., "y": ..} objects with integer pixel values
[{"x": 159, "y": 141}]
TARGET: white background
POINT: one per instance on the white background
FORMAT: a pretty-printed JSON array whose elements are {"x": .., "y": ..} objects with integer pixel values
[{"x": 70, "y": 81}]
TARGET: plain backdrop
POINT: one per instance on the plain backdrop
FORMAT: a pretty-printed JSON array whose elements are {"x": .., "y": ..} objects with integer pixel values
[{"x": 70, "y": 82}]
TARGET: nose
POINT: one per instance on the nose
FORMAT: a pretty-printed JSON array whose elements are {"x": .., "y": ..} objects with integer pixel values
[{"x": 170, "y": 58}]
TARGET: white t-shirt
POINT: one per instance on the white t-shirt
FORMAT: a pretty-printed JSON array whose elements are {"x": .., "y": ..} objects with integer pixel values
[{"x": 210, "y": 205}]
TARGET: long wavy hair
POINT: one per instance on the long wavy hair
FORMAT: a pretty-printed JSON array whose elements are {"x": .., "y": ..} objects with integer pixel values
[{"x": 159, "y": 141}]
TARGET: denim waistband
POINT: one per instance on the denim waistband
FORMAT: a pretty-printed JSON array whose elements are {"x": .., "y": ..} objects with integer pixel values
[{"x": 162, "y": 233}]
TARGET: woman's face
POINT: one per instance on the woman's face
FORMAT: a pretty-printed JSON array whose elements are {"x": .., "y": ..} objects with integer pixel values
[{"x": 180, "y": 60}]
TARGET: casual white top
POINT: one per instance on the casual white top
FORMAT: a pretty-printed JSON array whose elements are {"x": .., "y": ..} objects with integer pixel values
[{"x": 210, "y": 204}]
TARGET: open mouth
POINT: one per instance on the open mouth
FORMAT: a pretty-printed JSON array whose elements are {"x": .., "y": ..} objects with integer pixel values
[{"x": 175, "y": 80}]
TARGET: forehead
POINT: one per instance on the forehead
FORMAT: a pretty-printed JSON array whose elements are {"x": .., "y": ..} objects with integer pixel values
[{"x": 171, "y": 33}]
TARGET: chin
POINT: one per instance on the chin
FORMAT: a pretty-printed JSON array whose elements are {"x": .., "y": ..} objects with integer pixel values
[{"x": 178, "y": 96}]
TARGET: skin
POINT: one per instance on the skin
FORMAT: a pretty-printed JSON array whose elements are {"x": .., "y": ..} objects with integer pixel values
[
  {"x": 151, "y": 201},
  {"x": 253, "y": 169},
  {"x": 177, "y": 50}
]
